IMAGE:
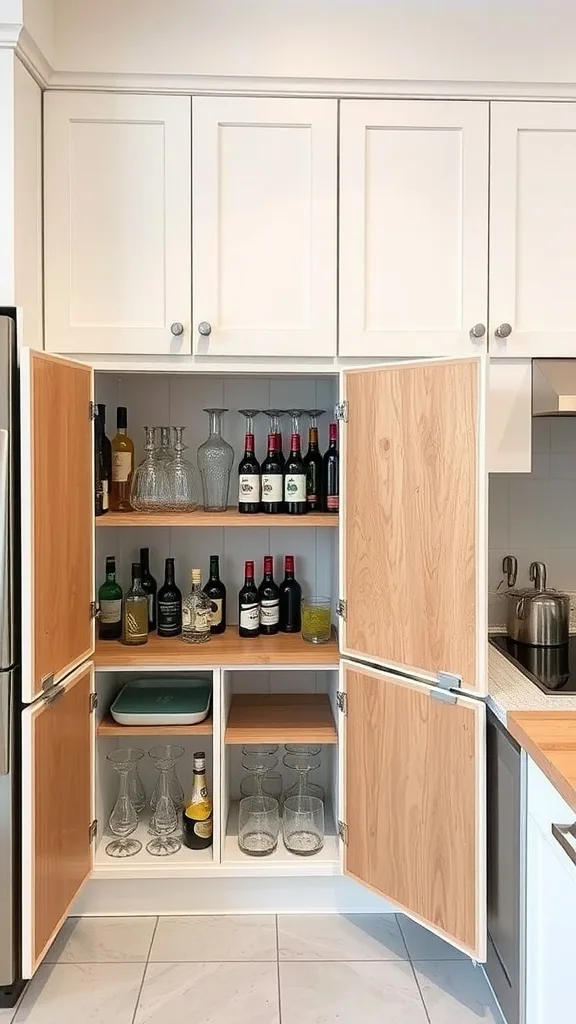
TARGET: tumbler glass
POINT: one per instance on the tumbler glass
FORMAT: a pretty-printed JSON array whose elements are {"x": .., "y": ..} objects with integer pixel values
[
  {"x": 316, "y": 619},
  {"x": 258, "y": 825},
  {"x": 303, "y": 825}
]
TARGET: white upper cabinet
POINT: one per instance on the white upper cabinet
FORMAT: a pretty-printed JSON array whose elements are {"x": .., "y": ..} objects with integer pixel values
[
  {"x": 413, "y": 244},
  {"x": 532, "y": 229},
  {"x": 117, "y": 223},
  {"x": 264, "y": 226}
]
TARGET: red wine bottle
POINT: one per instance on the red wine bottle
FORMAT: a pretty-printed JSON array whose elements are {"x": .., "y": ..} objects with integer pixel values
[
  {"x": 331, "y": 480},
  {"x": 216, "y": 591},
  {"x": 290, "y": 599},
  {"x": 280, "y": 448},
  {"x": 313, "y": 463},
  {"x": 269, "y": 600},
  {"x": 249, "y": 479},
  {"x": 248, "y": 607},
  {"x": 295, "y": 480},
  {"x": 149, "y": 587},
  {"x": 272, "y": 478}
]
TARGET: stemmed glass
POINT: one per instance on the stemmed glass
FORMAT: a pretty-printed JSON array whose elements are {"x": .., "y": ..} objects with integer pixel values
[
  {"x": 181, "y": 477},
  {"x": 314, "y": 414},
  {"x": 215, "y": 459},
  {"x": 262, "y": 780},
  {"x": 123, "y": 820},
  {"x": 164, "y": 820},
  {"x": 136, "y": 791},
  {"x": 296, "y": 414},
  {"x": 259, "y": 763},
  {"x": 250, "y": 415},
  {"x": 170, "y": 752},
  {"x": 149, "y": 484},
  {"x": 275, "y": 415},
  {"x": 304, "y": 761}
]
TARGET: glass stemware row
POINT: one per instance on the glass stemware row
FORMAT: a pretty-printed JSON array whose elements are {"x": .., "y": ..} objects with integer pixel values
[{"x": 166, "y": 801}]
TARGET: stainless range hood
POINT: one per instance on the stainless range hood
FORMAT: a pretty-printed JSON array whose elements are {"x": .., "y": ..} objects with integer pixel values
[{"x": 554, "y": 387}]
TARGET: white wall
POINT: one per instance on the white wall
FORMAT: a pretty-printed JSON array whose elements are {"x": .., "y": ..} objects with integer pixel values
[
  {"x": 7, "y": 61},
  {"x": 39, "y": 20},
  {"x": 498, "y": 40},
  {"x": 28, "y": 291}
]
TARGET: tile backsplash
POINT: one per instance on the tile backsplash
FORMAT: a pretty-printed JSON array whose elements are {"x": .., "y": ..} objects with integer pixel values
[{"x": 533, "y": 515}]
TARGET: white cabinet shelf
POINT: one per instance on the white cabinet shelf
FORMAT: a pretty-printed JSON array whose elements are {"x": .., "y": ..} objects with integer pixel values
[
  {"x": 281, "y": 862},
  {"x": 143, "y": 865}
]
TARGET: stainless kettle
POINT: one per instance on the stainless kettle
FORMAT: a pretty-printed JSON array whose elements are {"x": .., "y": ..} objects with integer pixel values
[{"x": 538, "y": 616}]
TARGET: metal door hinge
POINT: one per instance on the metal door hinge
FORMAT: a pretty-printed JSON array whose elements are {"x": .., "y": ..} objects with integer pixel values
[
  {"x": 341, "y": 411},
  {"x": 449, "y": 681},
  {"x": 444, "y": 695},
  {"x": 93, "y": 702},
  {"x": 47, "y": 681},
  {"x": 342, "y": 702},
  {"x": 342, "y": 608},
  {"x": 54, "y": 694},
  {"x": 92, "y": 411},
  {"x": 343, "y": 832},
  {"x": 92, "y": 831},
  {"x": 94, "y": 610}
]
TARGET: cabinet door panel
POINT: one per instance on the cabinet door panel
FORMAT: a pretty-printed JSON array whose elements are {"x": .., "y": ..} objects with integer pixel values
[
  {"x": 57, "y": 759},
  {"x": 57, "y": 518},
  {"x": 415, "y": 802},
  {"x": 117, "y": 227},
  {"x": 264, "y": 226},
  {"x": 414, "y": 532},
  {"x": 532, "y": 228},
  {"x": 413, "y": 227}
]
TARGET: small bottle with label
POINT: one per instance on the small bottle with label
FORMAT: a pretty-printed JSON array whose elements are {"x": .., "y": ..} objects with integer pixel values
[
  {"x": 272, "y": 479},
  {"x": 248, "y": 605},
  {"x": 196, "y": 613},
  {"x": 169, "y": 604},
  {"x": 295, "y": 480},
  {"x": 122, "y": 464},
  {"x": 216, "y": 591},
  {"x": 249, "y": 479},
  {"x": 135, "y": 622},
  {"x": 269, "y": 600},
  {"x": 197, "y": 816},
  {"x": 110, "y": 603}
]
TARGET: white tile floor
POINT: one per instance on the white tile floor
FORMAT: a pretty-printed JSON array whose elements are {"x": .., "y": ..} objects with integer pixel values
[{"x": 253, "y": 970}]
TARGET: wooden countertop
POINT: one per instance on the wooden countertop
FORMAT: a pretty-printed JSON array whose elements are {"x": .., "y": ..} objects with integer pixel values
[{"x": 549, "y": 737}]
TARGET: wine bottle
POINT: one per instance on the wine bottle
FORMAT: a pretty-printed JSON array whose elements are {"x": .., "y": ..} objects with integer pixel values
[
  {"x": 106, "y": 456},
  {"x": 313, "y": 463},
  {"x": 216, "y": 591},
  {"x": 196, "y": 613},
  {"x": 135, "y": 622},
  {"x": 249, "y": 479},
  {"x": 197, "y": 817},
  {"x": 149, "y": 587},
  {"x": 99, "y": 509},
  {"x": 290, "y": 599},
  {"x": 280, "y": 448},
  {"x": 295, "y": 480},
  {"x": 110, "y": 604},
  {"x": 269, "y": 600},
  {"x": 330, "y": 474},
  {"x": 248, "y": 607},
  {"x": 169, "y": 604},
  {"x": 272, "y": 478},
  {"x": 122, "y": 464}
]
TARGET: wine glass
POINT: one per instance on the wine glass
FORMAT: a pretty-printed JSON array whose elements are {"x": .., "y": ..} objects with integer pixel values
[
  {"x": 164, "y": 820},
  {"x": 171, "y": 752},
  {"x": 296, "y": 414},
  {"x": 259, "y": 763},
  {"x": 250, "y": 416},
  {"x": 275, "y": 415},
  {"x": 302, "y": 763},
  {"x": 314, "y": 414},
  {"x": 123, "y": 820},
  {"x": 136, "y": 790}
]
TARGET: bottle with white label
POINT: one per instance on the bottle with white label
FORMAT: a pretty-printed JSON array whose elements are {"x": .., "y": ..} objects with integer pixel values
[
  {"x": 110, "y": 605},
  {"x": 248, "y": 605},
  {"x": 269, "y": 600},
  {"x": 122, "y": 464},
  {"x": 196, "y": 613},
  {"x": 295, "y": 480},
  {"x": 272, "y": 479},
  {"x": 249, "y": 479}
]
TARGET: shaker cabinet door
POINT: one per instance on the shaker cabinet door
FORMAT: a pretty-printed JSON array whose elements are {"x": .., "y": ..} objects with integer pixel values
[
  {"x": 413, "y": 243},
  {"x": 117, "y": 223},
  {"x": 532, "y": 229},
  {"x": 57, "y": 810},
  {"x": 57, "y": 515},
  {"x": 415, "y": 802},
  {"x": 264, "y": 226}
]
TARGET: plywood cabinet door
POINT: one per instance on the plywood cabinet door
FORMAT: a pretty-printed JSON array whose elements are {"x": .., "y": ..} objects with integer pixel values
[
  {"x": 413, "y": 529},
  {"x": 57, "y": 802},
  {"x": 57, "y": 515},
  {"x": 117, "y": 223},
  {"x": 413, "y": 240},
  {"x": 264, "y": 226},
  {"x": 414, "y": 802},
  {"x": 532, "y": 229}
]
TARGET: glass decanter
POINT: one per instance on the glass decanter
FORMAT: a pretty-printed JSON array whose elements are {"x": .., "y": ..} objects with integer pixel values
[
  {"x": 123, "y": 820},
  {"x": 172, "y": 752},
  {"x": 181, "y": 474},
  {"x": 136, "y": 790},
  {"x": 164, "y": 820},
  {"x": 215, "y": 459},
  {"x": 149, "y": 484}
]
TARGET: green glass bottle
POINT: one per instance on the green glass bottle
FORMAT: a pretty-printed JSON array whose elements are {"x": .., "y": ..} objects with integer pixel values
[{"x": 110, "y": 601}]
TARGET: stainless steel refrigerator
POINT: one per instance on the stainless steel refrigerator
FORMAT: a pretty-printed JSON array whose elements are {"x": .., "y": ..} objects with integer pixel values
[{"x": 10, "y": 880}]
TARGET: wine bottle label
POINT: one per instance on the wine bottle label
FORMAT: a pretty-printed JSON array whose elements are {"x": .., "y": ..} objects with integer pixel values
[
  {"x": 110, "y": 612},
  {"x": 197, "y": 623},
  {"x": 248, "y": 487},
  {"x": 332, "y": 502},
  {"x": 295, "y": 487},
  {"x": 216, "y": 611},
  {"x": 311, "y": 498},
  {"x": 121, "y": 467},
  {"x": 270, "y": 612},
  {"x": 272, "y": 487},
  {"x": 204, "y": 828},
  {"x": 135, "y": 627},
  {"x": 250, "y": 616},
  {"x": 105, "y": 504},
  {"x": 169, "y": 617}
]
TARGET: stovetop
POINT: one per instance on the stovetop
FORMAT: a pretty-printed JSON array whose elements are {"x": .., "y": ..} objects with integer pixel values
[{"x": 553, "y": 669}]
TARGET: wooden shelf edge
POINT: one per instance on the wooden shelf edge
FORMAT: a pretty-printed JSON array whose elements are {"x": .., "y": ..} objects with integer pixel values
[
  {"x": 108, "y": 727},
  {"x": 206, "y": 519},
  {"x": 281, "y": 718}
]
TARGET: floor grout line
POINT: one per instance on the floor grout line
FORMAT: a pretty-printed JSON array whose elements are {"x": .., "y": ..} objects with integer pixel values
[
  {"x": 420, "y": 991},
  {"x": 154, "y": 930}
]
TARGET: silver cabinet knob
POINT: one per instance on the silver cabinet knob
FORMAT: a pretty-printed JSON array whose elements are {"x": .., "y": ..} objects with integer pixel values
[
  {"x": 177, "y": 329},
  {"x": 478, "y": 331},
  {"x": 503, "y": 331},
  {"x": 204, "y": 328}
]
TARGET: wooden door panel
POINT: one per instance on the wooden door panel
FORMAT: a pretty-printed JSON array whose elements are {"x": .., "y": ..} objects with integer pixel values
[
  {"x": 57, "y": 756},
  {"x": 415, "y": 802},
  {"x": 414, "y": 518},
  {"x": 57, "y": 518}
]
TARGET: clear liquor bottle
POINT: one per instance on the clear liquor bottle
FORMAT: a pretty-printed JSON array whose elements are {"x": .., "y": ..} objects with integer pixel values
[
  {"x": 196, "y": 613},
  {"x": 135, "y": 619}
]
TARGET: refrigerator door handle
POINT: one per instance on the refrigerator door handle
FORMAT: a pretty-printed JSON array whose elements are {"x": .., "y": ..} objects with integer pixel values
[
  {"x": 5, "y": 654},
  {"x": 5, "y": 723}
]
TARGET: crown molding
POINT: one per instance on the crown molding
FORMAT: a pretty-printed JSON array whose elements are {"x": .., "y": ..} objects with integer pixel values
[
  {"x": 33, "y": 59},
  {"x": 9, "y": 32}
]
